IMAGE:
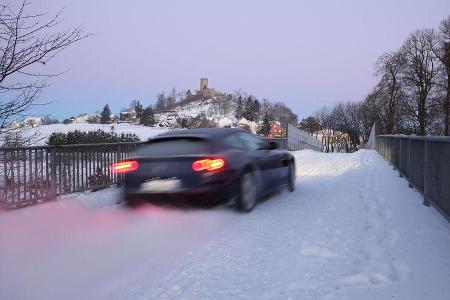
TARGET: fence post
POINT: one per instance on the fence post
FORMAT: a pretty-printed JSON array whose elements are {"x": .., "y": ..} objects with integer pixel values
[
  {"x": 119, "y": 158},
  {"x": 409, "y": 163},
  {"x": 426, "y": 201},
  {"x": 400, "y": 158},
  {"x": 4, "y": 196},
  {"x": 53, "y": 178},
  {"x": 388, "y": 149}
]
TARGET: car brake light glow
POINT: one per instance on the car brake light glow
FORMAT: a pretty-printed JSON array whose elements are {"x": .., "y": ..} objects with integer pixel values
[
  {"x": 125, "y": 166},
  {"x": 208, "y": 164}
]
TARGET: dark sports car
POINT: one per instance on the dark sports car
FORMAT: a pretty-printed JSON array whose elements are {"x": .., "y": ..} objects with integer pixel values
[{"x": 206, "y": 166}]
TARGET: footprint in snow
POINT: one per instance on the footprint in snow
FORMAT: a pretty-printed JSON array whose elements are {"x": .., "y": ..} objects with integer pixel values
[
  {"x": 318, "y": 251},
  {"x": 369, "y": 278}
]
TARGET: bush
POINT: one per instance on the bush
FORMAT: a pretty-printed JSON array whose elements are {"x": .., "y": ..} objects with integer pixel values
[
  {"x": 91, "y": 137},
  {"x": 49, "y": 120},
  {"x": 93, "y": 120},
  {"x": 200, "y": 121},
  {"x": 147, "y": 118},
  {"x": 99, "y": 180}
]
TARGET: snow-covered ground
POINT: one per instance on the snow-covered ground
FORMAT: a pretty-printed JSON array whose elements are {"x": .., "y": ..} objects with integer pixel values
[
  {"x": 39, "y": 135},
  {"x": 352, "y": 230}
]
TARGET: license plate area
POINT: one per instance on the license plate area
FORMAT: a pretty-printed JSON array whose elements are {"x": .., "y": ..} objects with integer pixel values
[{"x": 160, "y": 185}]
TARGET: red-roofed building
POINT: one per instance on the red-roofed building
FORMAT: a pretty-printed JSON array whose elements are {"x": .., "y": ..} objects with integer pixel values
[{"x": 277, "y": 131}]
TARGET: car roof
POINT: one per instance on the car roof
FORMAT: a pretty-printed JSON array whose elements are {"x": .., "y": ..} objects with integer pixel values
[{"x": 205, "y": 133}]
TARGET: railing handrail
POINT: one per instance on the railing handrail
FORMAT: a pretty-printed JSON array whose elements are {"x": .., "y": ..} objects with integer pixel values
[
  {"x": 418, "y": 137},
  {"x": 70, "y": 146}
]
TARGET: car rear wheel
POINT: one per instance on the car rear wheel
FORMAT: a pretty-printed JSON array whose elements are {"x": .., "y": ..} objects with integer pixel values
[
  {"x": 291, "y": 178},
  {"x": 247, "y": 192}
]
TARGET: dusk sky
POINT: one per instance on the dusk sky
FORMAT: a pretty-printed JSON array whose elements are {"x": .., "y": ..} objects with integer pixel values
[{"x": 304, "y": 53}]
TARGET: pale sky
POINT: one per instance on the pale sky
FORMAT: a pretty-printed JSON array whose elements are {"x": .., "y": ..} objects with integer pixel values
[{"x": 304, "y": 53}]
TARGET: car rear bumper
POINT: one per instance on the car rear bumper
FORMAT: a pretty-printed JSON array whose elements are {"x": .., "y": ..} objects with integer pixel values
[{"x": 208, "y": 194}]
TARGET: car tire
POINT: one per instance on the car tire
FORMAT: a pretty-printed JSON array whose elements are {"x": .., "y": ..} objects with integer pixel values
[
  {"x": 291, "y": 178},
  {"x": 247, "y": 192}
]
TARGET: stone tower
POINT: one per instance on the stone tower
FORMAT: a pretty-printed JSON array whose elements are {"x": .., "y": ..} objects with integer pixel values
[{"x": 203, "y": 83}]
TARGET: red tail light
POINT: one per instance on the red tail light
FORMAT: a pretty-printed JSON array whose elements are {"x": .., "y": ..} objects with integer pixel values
[
  {"x": 208, "y": 164},
  {"x": 125, "y": 166}
]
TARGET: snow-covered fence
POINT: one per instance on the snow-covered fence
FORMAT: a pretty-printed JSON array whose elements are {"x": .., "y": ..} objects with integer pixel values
[
  {"x": 30, "y": 175},
  {"x": 299, "y": 140},
  {"x": 424, "y": 161}
]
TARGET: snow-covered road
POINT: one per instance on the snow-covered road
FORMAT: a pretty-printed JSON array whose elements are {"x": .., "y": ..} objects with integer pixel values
[{"x": 352, "y": 230}]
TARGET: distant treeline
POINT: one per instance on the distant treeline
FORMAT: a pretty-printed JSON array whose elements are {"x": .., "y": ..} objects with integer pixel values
[{"x": 412, "y": 95}]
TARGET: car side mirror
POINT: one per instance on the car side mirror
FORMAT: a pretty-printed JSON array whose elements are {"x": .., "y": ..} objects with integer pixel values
[{"x": 272, "y": 146}]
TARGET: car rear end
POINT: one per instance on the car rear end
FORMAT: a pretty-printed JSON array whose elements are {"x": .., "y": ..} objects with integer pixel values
[{"x": 176, "y": 168}]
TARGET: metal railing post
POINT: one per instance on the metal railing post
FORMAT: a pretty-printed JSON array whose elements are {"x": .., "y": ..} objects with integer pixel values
[
  {"x": 119, "y": 158},
  {"x": 399, "y": 159},
  {"x": 409, "y": 164},
  {"x": 53, "y": 176},
  {"x": 426, "y": 201}
]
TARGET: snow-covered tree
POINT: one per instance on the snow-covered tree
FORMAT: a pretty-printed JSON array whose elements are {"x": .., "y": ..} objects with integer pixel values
[
  {"x": 239, "y": 108},
  {"x": 266, "y": 125},
  {"x": 105, "y": 116},
  {"x": 148, "y": 117}
]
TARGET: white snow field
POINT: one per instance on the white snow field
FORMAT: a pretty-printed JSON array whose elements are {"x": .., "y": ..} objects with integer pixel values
[{"x": 352, "y": 230}]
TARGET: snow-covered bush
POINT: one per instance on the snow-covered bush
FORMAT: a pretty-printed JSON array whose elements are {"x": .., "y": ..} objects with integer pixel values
[{"x": 90, "y": 137}]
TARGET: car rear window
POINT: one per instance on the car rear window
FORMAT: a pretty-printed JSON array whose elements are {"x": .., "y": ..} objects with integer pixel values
[{"x": 179, "y": 146}]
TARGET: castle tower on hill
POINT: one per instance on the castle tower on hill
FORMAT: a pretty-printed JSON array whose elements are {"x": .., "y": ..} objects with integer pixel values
[
  {"x": 203, "y": 84},
  {"x": 205, "y": 91}
]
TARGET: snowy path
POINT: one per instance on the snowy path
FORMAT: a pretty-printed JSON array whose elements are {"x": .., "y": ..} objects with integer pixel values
[{"x": 352, "y": 230}]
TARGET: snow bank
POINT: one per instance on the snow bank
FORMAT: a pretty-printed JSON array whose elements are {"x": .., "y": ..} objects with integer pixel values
[{"x": 351, "y": 230}]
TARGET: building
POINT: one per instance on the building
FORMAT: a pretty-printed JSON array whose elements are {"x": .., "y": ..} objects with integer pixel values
[
  {"x": 250, "y": 125},
  {"x": 15, "y": 125},
  {"x": 225, "y": 122},
  {"x": 128, "y": 116},
  {"x": 32, "y": 122},
  {"x": 277, "y": 131},
  {"x": 169, "y": 118},
  {"x": 114, "y": 118},
  {"x": 83, "y": 118}
]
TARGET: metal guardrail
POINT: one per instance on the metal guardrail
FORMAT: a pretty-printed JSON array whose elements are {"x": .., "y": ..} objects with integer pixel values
[
  {"x": 300, "y": 140},
  {"x": 425, "y": 162},
  {"x": 30, "y": 175}
]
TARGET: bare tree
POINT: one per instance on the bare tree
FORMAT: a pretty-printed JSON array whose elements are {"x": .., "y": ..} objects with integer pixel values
[
  {"x": 389, "y": 66},
  {"x": 418, "y": 75},
  {"x": 442, "y": 51},
  {"x": 311, "y": 125},
  {"x": 171, "y": 99},
  {"x": 27, "y": 42}
]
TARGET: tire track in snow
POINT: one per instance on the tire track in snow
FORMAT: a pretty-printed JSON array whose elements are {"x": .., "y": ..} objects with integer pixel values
[{"x": 270, "y": 242}]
